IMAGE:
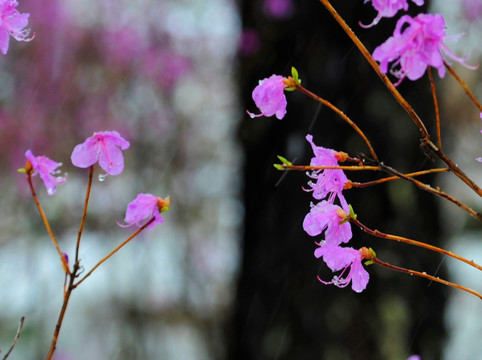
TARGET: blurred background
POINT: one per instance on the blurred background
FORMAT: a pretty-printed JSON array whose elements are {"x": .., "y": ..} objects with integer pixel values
[{"x": 231, "y": 273}]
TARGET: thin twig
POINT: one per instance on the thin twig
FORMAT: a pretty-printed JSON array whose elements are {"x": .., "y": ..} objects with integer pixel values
[
  {"x": 391, "y": 178},
  {"x": 84, "y": 213},
  {"x": 342, "y": 115},
  {"x": 413, "y": 242},
  {"x": 310, "y": 168},
  {"x": 464, "y": 86},
  {"x": 114, "y": 251},
  {"x": 430, "y": 189},
  {"x": 15, "y": 339},
  {"x": 46, "y": 223},
  {"x": 424, "y": 275},
  {"x": 435, "y": 103}
]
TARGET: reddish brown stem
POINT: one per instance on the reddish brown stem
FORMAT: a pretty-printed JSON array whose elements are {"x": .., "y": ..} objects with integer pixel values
[
  {"x": 113, "y": 252},
  {"x": 435, "y": 103},
  {"x": 342, "y": 115},
  {"x": 435, "y": 191},
  {"x": 463, "y": 85},
  {"x": 46, "y": 223},
  {"x": 84, "y": 213},
  {"x": 426, "y": 276},
  {"x": 413, "y": 242},
  {"x": 391, "y": 178},
  {"x": 310, "y": 168}
]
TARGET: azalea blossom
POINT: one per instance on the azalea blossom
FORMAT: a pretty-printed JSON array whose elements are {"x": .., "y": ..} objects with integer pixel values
[
  {"x": 329, "y": 217},
  {"x": 47, "y": 169},
  {"x": 144, "y": 208},
  {"x": 102, "y": 147},
  {"x": 349, "y": 261},
  {"x": 269, "y": 97},
  {"x": 418, "y": 46},
  {"x": 389, "y": 8},
  {"x": 328, "y": 182},
  {"x": 12, "y": 23}
]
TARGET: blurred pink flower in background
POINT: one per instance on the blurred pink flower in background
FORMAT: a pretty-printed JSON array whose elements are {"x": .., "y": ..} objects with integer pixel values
[
  {"x": 473, "y": 9},
  {"x": 249, "y": 42},
  {"x": 278, "y": 9}
]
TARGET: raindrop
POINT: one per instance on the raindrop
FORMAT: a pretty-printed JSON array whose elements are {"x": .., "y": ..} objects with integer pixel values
[{"x": 102, "y": 177}]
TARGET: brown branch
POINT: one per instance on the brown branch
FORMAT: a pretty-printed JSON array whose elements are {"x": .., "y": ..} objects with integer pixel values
[
  {"x": 424, "y": 275},
  {"x": 114, "y": 251},
  {"x": 435, "y": 103},
  {"x": 464, "y": 86},
  {"x": 413, "y": 242},
  {"x": 46, "y": 223},
  {"x": 15, "y": 339}
]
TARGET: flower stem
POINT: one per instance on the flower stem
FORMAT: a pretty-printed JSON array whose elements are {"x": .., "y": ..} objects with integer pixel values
[
  {"x": 60, "y": 319},
  {"x": 114, "y": 251},
  {"x": 435, "y": 103},
  {"x": 309, "y": 167},
  {"x": 46, "y": 223},
  {"x": 380, "y": 181},
  {"x": 342, "y": 115},
  {"x": 424, "y": 275},
  {"x": 435, "y": 191},
  {"x": 464, "y": 86},
  {"x": 413, "y": 242},
  {"x": 84, "y": 213},
  {"x": 15, "y": 339},
  {"x": 401, "y": 100}
]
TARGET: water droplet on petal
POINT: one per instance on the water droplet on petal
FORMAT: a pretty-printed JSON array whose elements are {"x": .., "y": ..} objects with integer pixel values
[{"x": 102, "y": 177}]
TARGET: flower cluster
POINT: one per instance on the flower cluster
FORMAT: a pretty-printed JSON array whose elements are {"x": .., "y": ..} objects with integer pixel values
[
  {"x": 12, "y": 23},
  {"x": 104, "y": 148},
  {"x": 416, "y": 44},
  {"x": 326, "y": 216}
]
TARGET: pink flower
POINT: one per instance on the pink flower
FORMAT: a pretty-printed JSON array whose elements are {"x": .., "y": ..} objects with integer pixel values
[
  {"x": 328, "y": 182},
  {"x": 388, "y": 8},
  {"x": 414, "y": 357},
  {"x": 47, "y": 169},
  {"x": 269, "y": 97},
  {"x": 12, "y": 23},
  {"x": 326, "y": 215},
  {"x": 144, "y": 208},
  {"x": 102, "y": 147},
  {"x": 419, "y": 45},
  {"x": 341, "y": 258}
]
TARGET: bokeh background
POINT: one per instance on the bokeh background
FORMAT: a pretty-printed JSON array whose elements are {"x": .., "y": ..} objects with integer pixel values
[{"x": 230, "y": 274}]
